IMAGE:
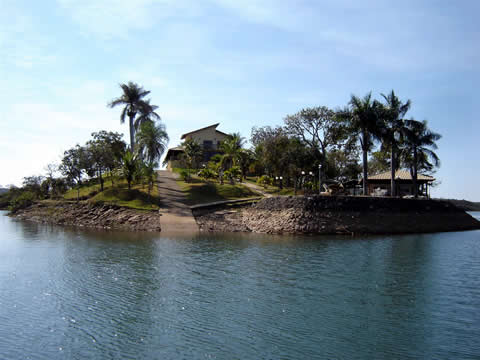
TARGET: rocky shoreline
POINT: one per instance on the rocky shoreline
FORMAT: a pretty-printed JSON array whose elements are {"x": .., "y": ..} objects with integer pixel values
[
  {"x": 275, "y": 215},
  {"x": 84, "y": 214},
  {"x": 338, "y": 215}
]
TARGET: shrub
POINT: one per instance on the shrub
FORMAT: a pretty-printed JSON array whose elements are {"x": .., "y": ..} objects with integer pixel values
[
  {"x": 207, "y": 174},
  {"x": 233, "y": 173},
  {"x": 265, "y": 180},
  {"x": 25, "y": 199},
  {"x": 185, "y": 175}
]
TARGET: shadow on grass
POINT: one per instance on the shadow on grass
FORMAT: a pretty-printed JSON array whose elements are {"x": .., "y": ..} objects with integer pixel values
[
  {"x": 199, "y": 192},
  {"x": 133, "y": 198}
]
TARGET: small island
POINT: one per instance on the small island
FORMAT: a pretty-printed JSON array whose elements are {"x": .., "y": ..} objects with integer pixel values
[{"x": 301, "y": 178}]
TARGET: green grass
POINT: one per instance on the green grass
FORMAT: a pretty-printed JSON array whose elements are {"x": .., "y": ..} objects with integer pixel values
[
  {"x": 119, "y": 194},
  {"x": 85, "y": 190},
  {"x": 273, "y": 190},
  {"x": 199, "y": 192}
]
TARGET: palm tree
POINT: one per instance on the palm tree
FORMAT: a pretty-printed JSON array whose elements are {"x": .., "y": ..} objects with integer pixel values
[
  {"x": 362, "y": 120},
  {"x": 129, "y": 167},
  {"x": 231, "y": 147},
  {"x": 418, "y": 142},
  {"x": 152, "y": 141},
  {"x": 132, "y": 99},
  {"x": 246, "y": 157},
  {"x": 392, "y": 113},
  {"x": 193, "y": 151},
  {"x": 147, "y": 112}
]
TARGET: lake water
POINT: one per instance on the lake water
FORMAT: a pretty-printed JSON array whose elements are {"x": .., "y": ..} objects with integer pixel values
[{"x": 76, "y": 294}]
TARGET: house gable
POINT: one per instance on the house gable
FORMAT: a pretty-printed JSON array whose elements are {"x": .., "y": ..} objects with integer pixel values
[{"x": 207, "y": 136}]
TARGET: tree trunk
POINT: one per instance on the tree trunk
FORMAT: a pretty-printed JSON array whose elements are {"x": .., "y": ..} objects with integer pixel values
[
  {"x": 392, "y": 170},
  {"x": 132, "y": 134},
  {"x": 101, "y": 179},
  {"x": 415, "y": 175},
  {"x": 111, "y": 176},
  {"x": 365, "y": 172}
]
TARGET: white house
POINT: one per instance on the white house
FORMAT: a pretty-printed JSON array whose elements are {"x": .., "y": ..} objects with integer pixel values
[{"x": 209, "y": 139}]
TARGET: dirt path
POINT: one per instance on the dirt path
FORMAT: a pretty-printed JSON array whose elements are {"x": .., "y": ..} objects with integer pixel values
[
  {"x": 257, "y": 188},
  {"x": 176, "y": 216}
]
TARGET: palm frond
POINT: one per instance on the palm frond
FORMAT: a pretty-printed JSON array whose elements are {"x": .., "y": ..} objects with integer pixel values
[
  {"x": 123, "y": 114},
  {"x": 116, "y": 102}
]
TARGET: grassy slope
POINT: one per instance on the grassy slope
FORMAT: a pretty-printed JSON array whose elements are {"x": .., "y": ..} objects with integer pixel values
[
  {"x": 136, "y": 198},
  {"x": 199, "y": 192},
  {"x": 274, "y": 190}
]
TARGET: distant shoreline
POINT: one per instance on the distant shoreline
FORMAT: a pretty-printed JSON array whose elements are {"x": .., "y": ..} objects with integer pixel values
[{"x": 464, "y": 204}]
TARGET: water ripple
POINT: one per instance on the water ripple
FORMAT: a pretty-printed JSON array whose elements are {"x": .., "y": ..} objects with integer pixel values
[{"x": 72, "y": 294}]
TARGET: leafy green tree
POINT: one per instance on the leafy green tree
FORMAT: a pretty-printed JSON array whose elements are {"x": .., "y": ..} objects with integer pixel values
[
  {"x": 245, "y": 158},
  {"x": 392, "y": 129},
  {"x": 73, "y": 165},
  {"x": 152, "y": 141},
  {"x": 112, "y": 149},
  {"x": 279, "y": 154},
  {"x": 418, "y": 143},
  {"x": 379, "y": 161},
  {"x": 270, "y": 144},
  {"x": 103, "y": 154},
  {"x": 316, "y": 127},
  {"x": 96, "y": 154},
  {"x": 50, "y": 180},
  {"x": 343, "y": 165},
  {"x": 133, "y": 102},
  {"x": 33, "y": 184}
]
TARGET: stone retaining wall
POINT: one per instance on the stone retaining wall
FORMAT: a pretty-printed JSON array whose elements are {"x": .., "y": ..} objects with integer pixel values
[{"x": 339, "y": 215}]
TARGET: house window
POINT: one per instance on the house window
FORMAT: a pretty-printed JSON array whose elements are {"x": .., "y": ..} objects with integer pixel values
[{"x": 207, "y": 144}]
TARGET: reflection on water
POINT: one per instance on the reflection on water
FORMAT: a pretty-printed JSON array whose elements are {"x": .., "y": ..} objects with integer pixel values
[{"x": 71, "y": 293}]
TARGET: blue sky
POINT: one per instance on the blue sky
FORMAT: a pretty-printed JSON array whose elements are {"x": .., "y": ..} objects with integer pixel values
[{"x": 241, "y": 63}]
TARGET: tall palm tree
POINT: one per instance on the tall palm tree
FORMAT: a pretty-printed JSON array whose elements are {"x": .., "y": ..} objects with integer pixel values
[
  {"x": 147, "y": 112},
  {"x": 152, "y": 141},
  {"x": 231, "y": 147},
  {"x": 419, "y": 141},
  {"x": 132, "y": 100},
  {"x": 362, "y": 118},
  {"x": 393, "y": 125}
]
